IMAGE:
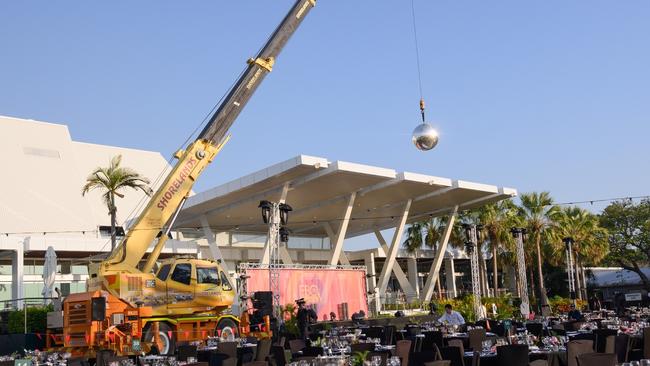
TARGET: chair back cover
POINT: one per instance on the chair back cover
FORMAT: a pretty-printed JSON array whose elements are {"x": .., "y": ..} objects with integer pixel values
[
  {"x": 577, "y": 348},
  {"x": 513, "y": 355},
  {"x": 597, "y": 359}
]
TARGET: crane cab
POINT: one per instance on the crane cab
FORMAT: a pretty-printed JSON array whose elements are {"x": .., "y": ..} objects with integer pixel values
[{"x": 193, "y": 285}]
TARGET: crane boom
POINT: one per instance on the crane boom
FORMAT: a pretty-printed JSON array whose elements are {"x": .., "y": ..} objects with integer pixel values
[
  {"x": 157, "y": 217},
  {"x": 259, "y": 66}
]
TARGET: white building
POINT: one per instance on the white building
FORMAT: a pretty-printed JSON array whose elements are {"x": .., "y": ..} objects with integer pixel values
[{"x": 41, "y": 203}]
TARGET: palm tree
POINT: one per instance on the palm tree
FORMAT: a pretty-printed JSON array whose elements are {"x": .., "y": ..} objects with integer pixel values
[
  {"x": 110, "y": 180},
  {"x": 497, "y": 220},
  {"x": 537, "y": 210},
  {"x": 589, "y": 240}
]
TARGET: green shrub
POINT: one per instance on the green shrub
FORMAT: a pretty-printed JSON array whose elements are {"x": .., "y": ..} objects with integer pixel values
[
  {"x": 290, "y": 314},
  {"x": 563, "y": 305},
  {"x": 36, "y": 320}
]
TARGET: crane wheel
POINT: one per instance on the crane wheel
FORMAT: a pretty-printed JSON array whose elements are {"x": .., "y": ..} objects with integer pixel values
[
  {"x": 227, "y": 327},
  {"x": 164, "y": 332}
]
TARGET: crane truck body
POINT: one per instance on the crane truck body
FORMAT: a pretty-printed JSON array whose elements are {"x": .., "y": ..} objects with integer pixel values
[{"x": 128, "y": 308}]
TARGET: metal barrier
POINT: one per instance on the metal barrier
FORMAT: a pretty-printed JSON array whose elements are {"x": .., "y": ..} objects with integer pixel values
[
  {"x": 16, "y": 304},
  {"x": 26, "y": 302}
]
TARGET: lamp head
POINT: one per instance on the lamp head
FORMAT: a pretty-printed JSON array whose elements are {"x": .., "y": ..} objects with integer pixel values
[{"x": 266, "y": 207}]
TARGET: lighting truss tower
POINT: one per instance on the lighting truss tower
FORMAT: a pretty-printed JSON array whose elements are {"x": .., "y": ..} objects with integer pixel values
[
  {"x": 274, "y": 257},
  {"x": 518, "y": 234},
  {"x": 568, "y": 242},
  {"x": 472, "y": 246}
]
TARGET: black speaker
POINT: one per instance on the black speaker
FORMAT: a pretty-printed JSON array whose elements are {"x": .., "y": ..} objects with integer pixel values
[
  {"x": 98, "y": 308},
  {"x": 263, "y": 302}
]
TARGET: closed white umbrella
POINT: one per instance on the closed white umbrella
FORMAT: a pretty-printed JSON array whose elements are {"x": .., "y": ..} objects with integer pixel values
[{"x": 49, "y": 272}]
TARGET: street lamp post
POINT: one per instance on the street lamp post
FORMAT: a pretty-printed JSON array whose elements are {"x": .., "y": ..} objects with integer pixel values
[
  {"x": 568, "y": 242},
  {"x": 472, "y": 249},
  {"x": 276, "y": 215},
  {"x": 518, "y": 234}
]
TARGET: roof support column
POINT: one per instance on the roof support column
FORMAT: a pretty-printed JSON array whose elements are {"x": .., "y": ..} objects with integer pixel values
[
  {"x": 427, "y": 291},
  {"x": 332, "y": 236},
  {"x": 337, "y": 249},
  {"x": 215, "y": 252},
  {"x": 392, "y": 251},
  {"x": 450, "y": 274},
  {"x": 17, "y": 280},
  {"x": 397, "y": 270},
  {"x": 412, "y": 268}
]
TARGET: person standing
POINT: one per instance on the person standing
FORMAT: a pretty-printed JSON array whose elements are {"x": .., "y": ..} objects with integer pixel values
[
  {"x": 302, "y": 319},
  {"x": 594, "y": 303}
]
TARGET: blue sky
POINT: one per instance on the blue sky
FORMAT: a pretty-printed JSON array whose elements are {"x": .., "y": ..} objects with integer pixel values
[{"x": 550, "y": 95}]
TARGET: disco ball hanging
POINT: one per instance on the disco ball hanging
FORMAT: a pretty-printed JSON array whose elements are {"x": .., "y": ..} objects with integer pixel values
[{"x": 425, "y": 137}]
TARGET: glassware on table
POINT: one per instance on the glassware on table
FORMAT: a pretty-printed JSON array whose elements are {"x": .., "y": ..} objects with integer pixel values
[
  {"x": 644, "y": 362},
  {"x": 486, "y": 345},
  {"x": 394, "y": 361}
]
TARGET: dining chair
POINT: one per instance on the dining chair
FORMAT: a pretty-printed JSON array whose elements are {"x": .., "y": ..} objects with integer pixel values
[
  {"x": 389, "y": 335},
  {"x": 457, "y": 343},
  {"x": 184, "y": 351},
  {"x": 296, "y": 345},
  {"x": 610, "y": 344},
  {"x": 229, "y": 348},
  {"x": 577, "y": 348},
  {"x": 438, "y": 363},
  {"x": 476, "y": 338},
  {"x": 539, "y": 363},
  {"x": 279, "y": 356},
  {"x": 646, "y": 343},
  {"x": 622, "y": 347},
  {"x": 256, "y": 363},
  {"x": 430, "y": 339},
  {"x": 601, "y": 338},
  {"x": 453, "y": 354},
  {"x": 513, "y": 355},
  {"x": 597, "y": 359},
  {"x": 420, "y": 358},
  {"x": 402, "y": 350},
  {"x": 263, "y": 349}
]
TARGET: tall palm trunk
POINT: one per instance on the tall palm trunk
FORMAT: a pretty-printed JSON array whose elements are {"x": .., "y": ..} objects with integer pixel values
[
  {"x": 578, "y": 281},
  {"x": 531, "y": 293},
  {"x": 495, "y": 278},
  {"x": 113, "y": 213},
  {"x": 439, "y": 287},
  {"x": 584, "y": 282},
  {"x": 542, "y": 290}
]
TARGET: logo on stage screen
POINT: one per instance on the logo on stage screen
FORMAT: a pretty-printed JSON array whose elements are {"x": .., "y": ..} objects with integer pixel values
[{"x": 310, "y": 289}]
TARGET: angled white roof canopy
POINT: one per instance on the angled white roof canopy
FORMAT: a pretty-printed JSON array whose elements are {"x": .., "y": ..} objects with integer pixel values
[{"x": 319, "y": 192}]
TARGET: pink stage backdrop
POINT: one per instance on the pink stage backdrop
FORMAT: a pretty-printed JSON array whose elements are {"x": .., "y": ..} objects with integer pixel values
[{"x": 326, "y": 288}]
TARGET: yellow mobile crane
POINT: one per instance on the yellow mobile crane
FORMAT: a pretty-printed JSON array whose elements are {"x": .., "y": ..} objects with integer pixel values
[{"x": 128, "y": 308}]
